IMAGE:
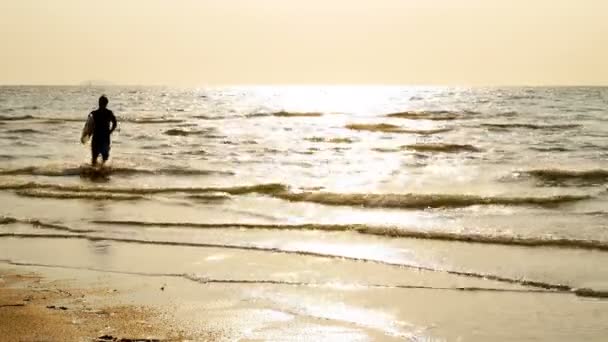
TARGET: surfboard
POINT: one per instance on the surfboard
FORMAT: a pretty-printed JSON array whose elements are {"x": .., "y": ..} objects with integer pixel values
[{"x": 87, "y": 130}]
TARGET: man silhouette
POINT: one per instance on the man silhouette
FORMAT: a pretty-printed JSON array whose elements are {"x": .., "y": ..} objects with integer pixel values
[{"x": 100, "y": 142}]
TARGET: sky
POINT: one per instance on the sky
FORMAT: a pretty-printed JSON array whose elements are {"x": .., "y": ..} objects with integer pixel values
[{"x": 228, "y": 42}]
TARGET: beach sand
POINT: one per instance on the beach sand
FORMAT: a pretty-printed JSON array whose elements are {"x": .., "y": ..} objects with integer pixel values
[
  {"x": 130, "y": 293},
  {"x": 33, "y": 308},
  {"x": 44, "y": 304}
]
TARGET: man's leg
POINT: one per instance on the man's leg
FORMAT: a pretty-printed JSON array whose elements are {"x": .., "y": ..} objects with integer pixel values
[
  {"x": 105, "y": 154},
  {"x": 94, "y": 154}
]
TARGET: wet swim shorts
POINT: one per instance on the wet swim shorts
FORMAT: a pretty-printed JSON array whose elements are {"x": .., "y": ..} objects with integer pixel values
[{"x": 100, "y": 148}]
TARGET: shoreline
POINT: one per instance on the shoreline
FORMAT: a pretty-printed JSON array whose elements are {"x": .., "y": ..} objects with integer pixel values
[{"x": 62, "y": 290}]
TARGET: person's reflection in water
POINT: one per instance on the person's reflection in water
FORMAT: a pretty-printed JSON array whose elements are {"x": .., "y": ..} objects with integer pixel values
[{"x": 100, "y": 250}]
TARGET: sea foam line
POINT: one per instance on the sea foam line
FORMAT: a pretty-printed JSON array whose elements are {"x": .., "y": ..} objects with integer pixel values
[
  {"x": 282, "y": 191},
  {"x": 523, "y": 282},
  {"x": 386, "y": 231},
  {"x": 207, "y": 280}
]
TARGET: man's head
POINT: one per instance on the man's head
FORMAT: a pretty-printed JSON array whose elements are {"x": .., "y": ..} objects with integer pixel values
[{"x": 103, "y": 101}]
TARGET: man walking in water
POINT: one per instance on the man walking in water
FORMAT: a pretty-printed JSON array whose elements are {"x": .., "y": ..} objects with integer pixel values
[{"x": 100, "y": 142}]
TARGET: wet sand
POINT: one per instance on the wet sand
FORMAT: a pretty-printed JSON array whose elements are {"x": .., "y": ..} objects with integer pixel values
[
  {"x": 178, "y": 293},
  {"x": 54, "y": 304},
  {"x": 34, "y": 308}
]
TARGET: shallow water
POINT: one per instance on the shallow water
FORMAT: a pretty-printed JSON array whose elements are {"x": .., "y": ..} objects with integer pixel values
[{"x": 509, "y": 184}]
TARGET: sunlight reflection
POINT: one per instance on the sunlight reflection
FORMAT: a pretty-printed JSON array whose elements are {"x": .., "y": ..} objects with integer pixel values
[
  {"x": 354, "y": 250},
  {"x": 361, "y": 100},
  {"x": 341, "y": 312}
]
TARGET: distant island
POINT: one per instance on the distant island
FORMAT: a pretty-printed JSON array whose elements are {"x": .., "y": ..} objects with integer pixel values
[{"x": 96, "y": 83}]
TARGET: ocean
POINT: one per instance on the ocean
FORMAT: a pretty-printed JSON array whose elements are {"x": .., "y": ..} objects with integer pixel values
[{"x": 503, "y": 189}]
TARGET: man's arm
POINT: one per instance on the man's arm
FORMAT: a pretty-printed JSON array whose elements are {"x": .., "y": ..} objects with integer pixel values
[{"x": 113, "y": 120}]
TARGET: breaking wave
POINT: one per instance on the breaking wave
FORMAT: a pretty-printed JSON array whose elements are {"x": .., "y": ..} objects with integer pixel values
[
  {"x": 551, "y": 149},
  {"x": 40, "y": 193},
  {"x": 210, "y": 198},
  {"x": 40, "y": 224},
  {"x": 50, "y": 120},
  {"x": 400, "y": 232},
  {"x": 183, "y": 132},
  {"x": 331, "y": 140},
  {"x": 55, "y": 120},
  {"x": 529, "y": 126},
  {"x": 383, "y": 127},
  {"x": 152, "y": 121},
  {"x": 422, "y": 201},
  {"x": 441, "y": 147},
  {"x": 270, "y": 188},
  {"x": 16, "y": 118},
  {"x": 24, "y": 131},
  {"x": 296, "y": 114},
  {"x": 281, "y": 191},
  {"x": 50, "y": 171},
  {"x": 208, "y": 117},
  {"x": 283, "y": 114},
  {"x": 565, "y": 177},
  {"x": 432, "y": 115},
  {"x": 426, "y": 131},
  {"x": 60, "y": 120},
  {"x": 385, "y": 149},
  {"x": 389, "y": 128}
]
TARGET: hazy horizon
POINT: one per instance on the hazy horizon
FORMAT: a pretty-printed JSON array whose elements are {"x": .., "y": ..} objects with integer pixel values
[
  {"x": 272, "y": 42},
  {"x": 237, "y": 85}
]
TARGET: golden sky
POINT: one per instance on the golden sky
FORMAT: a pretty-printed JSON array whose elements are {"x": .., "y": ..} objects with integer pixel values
[{"x": 204, "y": 42}]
